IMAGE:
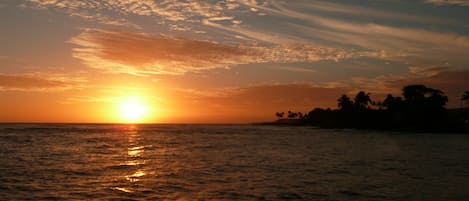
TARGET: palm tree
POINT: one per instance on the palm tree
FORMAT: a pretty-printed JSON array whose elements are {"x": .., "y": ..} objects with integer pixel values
[
  {"x": 437, "y": 98},
  {"x": 414, "y": 93},
  {"x": 465, "y": 97},
  {"x": 362, "y": 100},
  {"x": 422, "y": 96},
  {"x": 345, "y": 103},
  {"x": 392, "y": 103},
  {"x": 292, "y": 115},
  {"x": 279, "y": 114}
]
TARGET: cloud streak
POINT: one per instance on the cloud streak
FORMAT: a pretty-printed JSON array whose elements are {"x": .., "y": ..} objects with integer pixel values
[
  {"x": 410, "y": 45},
  {"x": 449, "y": 2},
  {"x": 405, "y": 44},
  {"x": 25, "y": 82},
  {"x": 370, "y": 12},
  {"x": 140, "y": 53},
  {"x": 116, "y": 12}
]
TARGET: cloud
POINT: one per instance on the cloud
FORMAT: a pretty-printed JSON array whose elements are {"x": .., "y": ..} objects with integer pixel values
[
  {"x": 143, "y": 54},
  {"x": 89, "y": 10},
  {"x": 294, "y": 69},
  {"x": 253, "y": 35},
  {"x": 412, "y": 45},
  {"x": 449, "y": 2},
  {"x": 31, "y": 83},
  {"x": 409, "y": 45},
  {"x": 370, "y": 12},
  {"x": 405, "y": 44},
  {"x": 117, "y": 12},
  {"x": 374, "y": 30}
]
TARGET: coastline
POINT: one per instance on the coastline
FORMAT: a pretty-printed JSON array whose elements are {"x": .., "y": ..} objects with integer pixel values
[{"x": 302, "y": 123}]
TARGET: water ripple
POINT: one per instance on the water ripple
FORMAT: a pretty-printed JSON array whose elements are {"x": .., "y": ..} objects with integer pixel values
[{"x": 227, "y": 162}]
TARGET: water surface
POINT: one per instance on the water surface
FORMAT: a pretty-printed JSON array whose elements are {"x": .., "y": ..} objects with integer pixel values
[{"x": 228, "y": 162}]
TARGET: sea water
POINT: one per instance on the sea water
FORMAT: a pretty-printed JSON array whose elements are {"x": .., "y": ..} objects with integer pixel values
[{"x": 228, "y": 162}]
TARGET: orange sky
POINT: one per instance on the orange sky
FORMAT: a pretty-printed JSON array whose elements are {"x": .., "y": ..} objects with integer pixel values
[{"x": 220, "y": 61}]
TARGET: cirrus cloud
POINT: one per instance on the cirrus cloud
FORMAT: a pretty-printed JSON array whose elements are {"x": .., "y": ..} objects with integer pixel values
[
  {"x": 31, "y": 82},
  {"x": 117, "y": 12},
  {"x": 449, "y": 2},
  {"x": 141, "y": 54}
]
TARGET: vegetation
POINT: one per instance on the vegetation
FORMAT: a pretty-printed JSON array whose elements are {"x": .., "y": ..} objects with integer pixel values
[
  {"x": 420, "y": 109},
  {"x": 465, "y": 98}
]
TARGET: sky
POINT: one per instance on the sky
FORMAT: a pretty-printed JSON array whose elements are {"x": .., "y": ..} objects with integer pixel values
[{"x": 187, "y": 61}]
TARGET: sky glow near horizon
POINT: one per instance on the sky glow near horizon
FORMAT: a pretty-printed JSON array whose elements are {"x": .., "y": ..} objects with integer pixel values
[{"x": 222, "y": 61}]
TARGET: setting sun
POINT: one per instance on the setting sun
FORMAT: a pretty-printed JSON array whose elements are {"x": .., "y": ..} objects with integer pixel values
[{"x": 132, "y": 109}]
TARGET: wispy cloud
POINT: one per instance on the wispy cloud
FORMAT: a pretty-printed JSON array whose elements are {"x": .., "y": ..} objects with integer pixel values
[
  {"x": 35, "y": 82},
  {"x": 116, "y": 12},
  {"x": 254, "y": 35},
  {"x": 377, "y": 30},
  {"x": 89, "y": 10},
  {"x": 449, "y": 2},
  {"x": 140, "y": 53},
  {"x": 191, "y": 15},
  {"x": 295, "y": 69},
  {"x": 410, "y": 45},
  {"x": 371, "y": 13},
  {"x": 305, "y": 35}
]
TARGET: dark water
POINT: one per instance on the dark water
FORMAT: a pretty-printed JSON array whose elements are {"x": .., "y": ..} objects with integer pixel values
[{"x": 228, "y": 162}]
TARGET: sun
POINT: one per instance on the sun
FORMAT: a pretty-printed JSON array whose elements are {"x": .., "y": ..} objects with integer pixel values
[{"x": 132, "y": 109}]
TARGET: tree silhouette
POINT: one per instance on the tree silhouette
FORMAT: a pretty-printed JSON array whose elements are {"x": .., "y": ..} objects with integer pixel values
[
  {"x": 465, "y": 97},
  {"x": 414, "y": 93},
  {"x": 362, "y": 100},
  {"x": 437, "y": 99},
  {"x": 279, "y": 114},
  {"x": 392, "y": 103},
  {"x": 424, "y": 106},
  {"x": 421, "y": 109},
  {"x": 292, "y": 115},
  {"x": 345, "y": 104},
  {"x": 422, "y": 96}
]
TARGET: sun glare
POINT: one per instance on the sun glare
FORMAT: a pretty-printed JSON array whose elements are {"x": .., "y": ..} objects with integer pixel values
[{"x": 132, "y": 109}]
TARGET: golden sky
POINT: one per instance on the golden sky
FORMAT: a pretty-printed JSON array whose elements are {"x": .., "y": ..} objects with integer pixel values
[{"x": 169, "y": 61}]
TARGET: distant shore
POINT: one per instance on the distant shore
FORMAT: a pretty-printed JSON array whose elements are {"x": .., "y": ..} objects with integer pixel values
[
  {"x": 419, "y": 109},
  {"x": 300, "y": 122}
]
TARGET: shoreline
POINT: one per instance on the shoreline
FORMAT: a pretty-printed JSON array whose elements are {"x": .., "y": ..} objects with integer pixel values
[{"x": 300, "y": 123}]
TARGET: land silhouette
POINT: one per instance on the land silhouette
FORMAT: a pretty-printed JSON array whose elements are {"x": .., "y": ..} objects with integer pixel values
[{"x": 419, "y": 109}]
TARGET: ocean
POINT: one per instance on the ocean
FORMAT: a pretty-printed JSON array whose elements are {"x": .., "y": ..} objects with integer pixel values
[{"x": 228, "y": 162}]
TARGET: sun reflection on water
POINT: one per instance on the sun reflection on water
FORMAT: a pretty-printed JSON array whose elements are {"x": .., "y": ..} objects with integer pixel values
[
  {"x": 122, "y": 189},
  {"x": 133, "y": 163},
  {"x": 135, "y": 151},
  {"x": 134, "y": 159},
  {"x": 135, "y": 176}
]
